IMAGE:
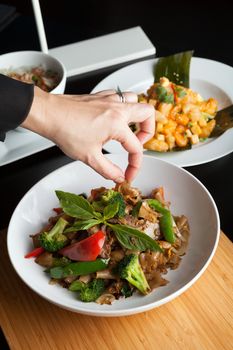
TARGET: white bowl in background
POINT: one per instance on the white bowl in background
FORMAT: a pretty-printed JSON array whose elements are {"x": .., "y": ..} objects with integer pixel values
[
  {"x": 16, "y": 60},
  {"x": 187, "y": 196}
]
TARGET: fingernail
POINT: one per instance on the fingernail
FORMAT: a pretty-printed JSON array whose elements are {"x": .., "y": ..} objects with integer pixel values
[{"x": 120, "y": 179}]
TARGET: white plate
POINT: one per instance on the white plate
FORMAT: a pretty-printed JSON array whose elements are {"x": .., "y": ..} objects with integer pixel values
[
  {"x": 187, "y": 195},
  {"x": 209, "y": 78},
  {"x": 20, "y": 144}
]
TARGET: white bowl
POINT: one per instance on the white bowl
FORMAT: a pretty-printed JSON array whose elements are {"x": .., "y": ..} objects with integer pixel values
[
  {"x": 187, "y": 195},
  {"x": 26, "y": 59}
]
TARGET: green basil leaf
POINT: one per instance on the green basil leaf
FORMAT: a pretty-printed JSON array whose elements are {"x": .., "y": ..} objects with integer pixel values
[
  {"x": 76, "y": 206},
  {"x": 132, "y": 238},
  {"x": 98, "y": 205},
  {"x": 110, "y": 211},
  {"x": 83, "y": 225},
  {"x": 175, "y": 68}
]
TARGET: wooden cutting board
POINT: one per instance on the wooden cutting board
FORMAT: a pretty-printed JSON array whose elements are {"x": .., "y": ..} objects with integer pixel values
[{"x": 201, "y": 318}]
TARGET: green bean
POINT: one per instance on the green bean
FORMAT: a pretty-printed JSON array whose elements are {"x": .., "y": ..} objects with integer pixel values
[
  {"x": 78, "y": 268},
  {"x": 165, "y": 221}
]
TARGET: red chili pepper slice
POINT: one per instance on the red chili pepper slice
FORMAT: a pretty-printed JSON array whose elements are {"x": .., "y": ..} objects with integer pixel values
[
  {"x": 58, "y": 210},
  {"x": 86, "y": 250},
  {"x": 174, "y": 92},
  {"x": 35, "y": 252}
]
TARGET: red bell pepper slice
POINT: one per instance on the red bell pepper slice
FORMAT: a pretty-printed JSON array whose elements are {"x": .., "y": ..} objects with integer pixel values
[
  {"x": 35, "y": 252},
  {"x": 86, "y": 250}
]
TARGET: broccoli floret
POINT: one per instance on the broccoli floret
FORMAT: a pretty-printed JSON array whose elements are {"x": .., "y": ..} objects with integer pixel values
[
  {"x": 92, "y": 290},
  {"x": 127, "y": 290},
  {"x": 54, "y": 239},
  {"x": 130, "y": 269},
  {"x": 111, "y": 197},
  {"x": 61, "y": 262}
]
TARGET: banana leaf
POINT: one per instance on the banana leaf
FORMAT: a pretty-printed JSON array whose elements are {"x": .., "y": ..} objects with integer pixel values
[
  {"x": 224, "y": 121},
  {"x": 175, "y": 68}
]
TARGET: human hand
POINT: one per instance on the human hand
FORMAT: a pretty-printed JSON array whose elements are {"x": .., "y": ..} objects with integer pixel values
[{"x": 81, "y": 124}]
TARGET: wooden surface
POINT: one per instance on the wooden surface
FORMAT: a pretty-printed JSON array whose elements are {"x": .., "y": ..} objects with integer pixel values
[{"x": 201, "y": 318}]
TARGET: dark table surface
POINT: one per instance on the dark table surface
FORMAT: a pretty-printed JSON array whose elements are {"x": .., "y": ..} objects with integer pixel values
[{"x": 171, "y": 28}]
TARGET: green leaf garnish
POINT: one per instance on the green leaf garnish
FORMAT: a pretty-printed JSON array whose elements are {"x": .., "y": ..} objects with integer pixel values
[
  {"x": 175, "y": 68},
  {"x": 163, "y": 95},
  {"x": 134, "y": 239},
  {"x": 76, "y": 206},
  {"x": 169, "y": 98},
  {"x": 83, "y": 225},
  {"x": 202, "y": 139},
  {"x": 110, "y": 211},
  {"x": 180, "y": 92}
]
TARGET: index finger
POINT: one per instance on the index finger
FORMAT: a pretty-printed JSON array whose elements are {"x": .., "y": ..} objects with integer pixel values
[
  {"x": 134, "y": 164},
  {"x": 144, "y": 114},
  {"x": 131, "y": 144}
]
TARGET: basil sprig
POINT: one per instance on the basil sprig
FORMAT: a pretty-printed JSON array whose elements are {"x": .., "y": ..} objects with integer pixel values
[{"x": 78, "y": 207}]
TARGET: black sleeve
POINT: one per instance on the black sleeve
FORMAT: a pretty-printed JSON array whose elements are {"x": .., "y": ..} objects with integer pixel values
[{"x": 15, "y": 102}]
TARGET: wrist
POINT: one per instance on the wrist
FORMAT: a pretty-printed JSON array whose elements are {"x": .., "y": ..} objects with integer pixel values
[{"x": 36, "y": 119}]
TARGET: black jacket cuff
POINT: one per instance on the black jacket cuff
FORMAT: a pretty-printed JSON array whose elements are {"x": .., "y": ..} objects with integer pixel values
[{"x": 15, "y": 102}]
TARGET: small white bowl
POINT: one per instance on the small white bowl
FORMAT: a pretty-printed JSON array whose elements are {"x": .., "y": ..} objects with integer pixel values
[
  {"x": 13, "y": 61},
  {"x": 187, "y": 196}
]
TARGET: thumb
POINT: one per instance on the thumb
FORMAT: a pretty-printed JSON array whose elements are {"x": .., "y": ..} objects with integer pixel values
[{"x": 105, "y": 167}]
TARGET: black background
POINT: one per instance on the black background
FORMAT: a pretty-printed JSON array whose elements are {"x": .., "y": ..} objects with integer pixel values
[
  {"x": 173, "y": 26},
  {"x": 205, "y": 26}
]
